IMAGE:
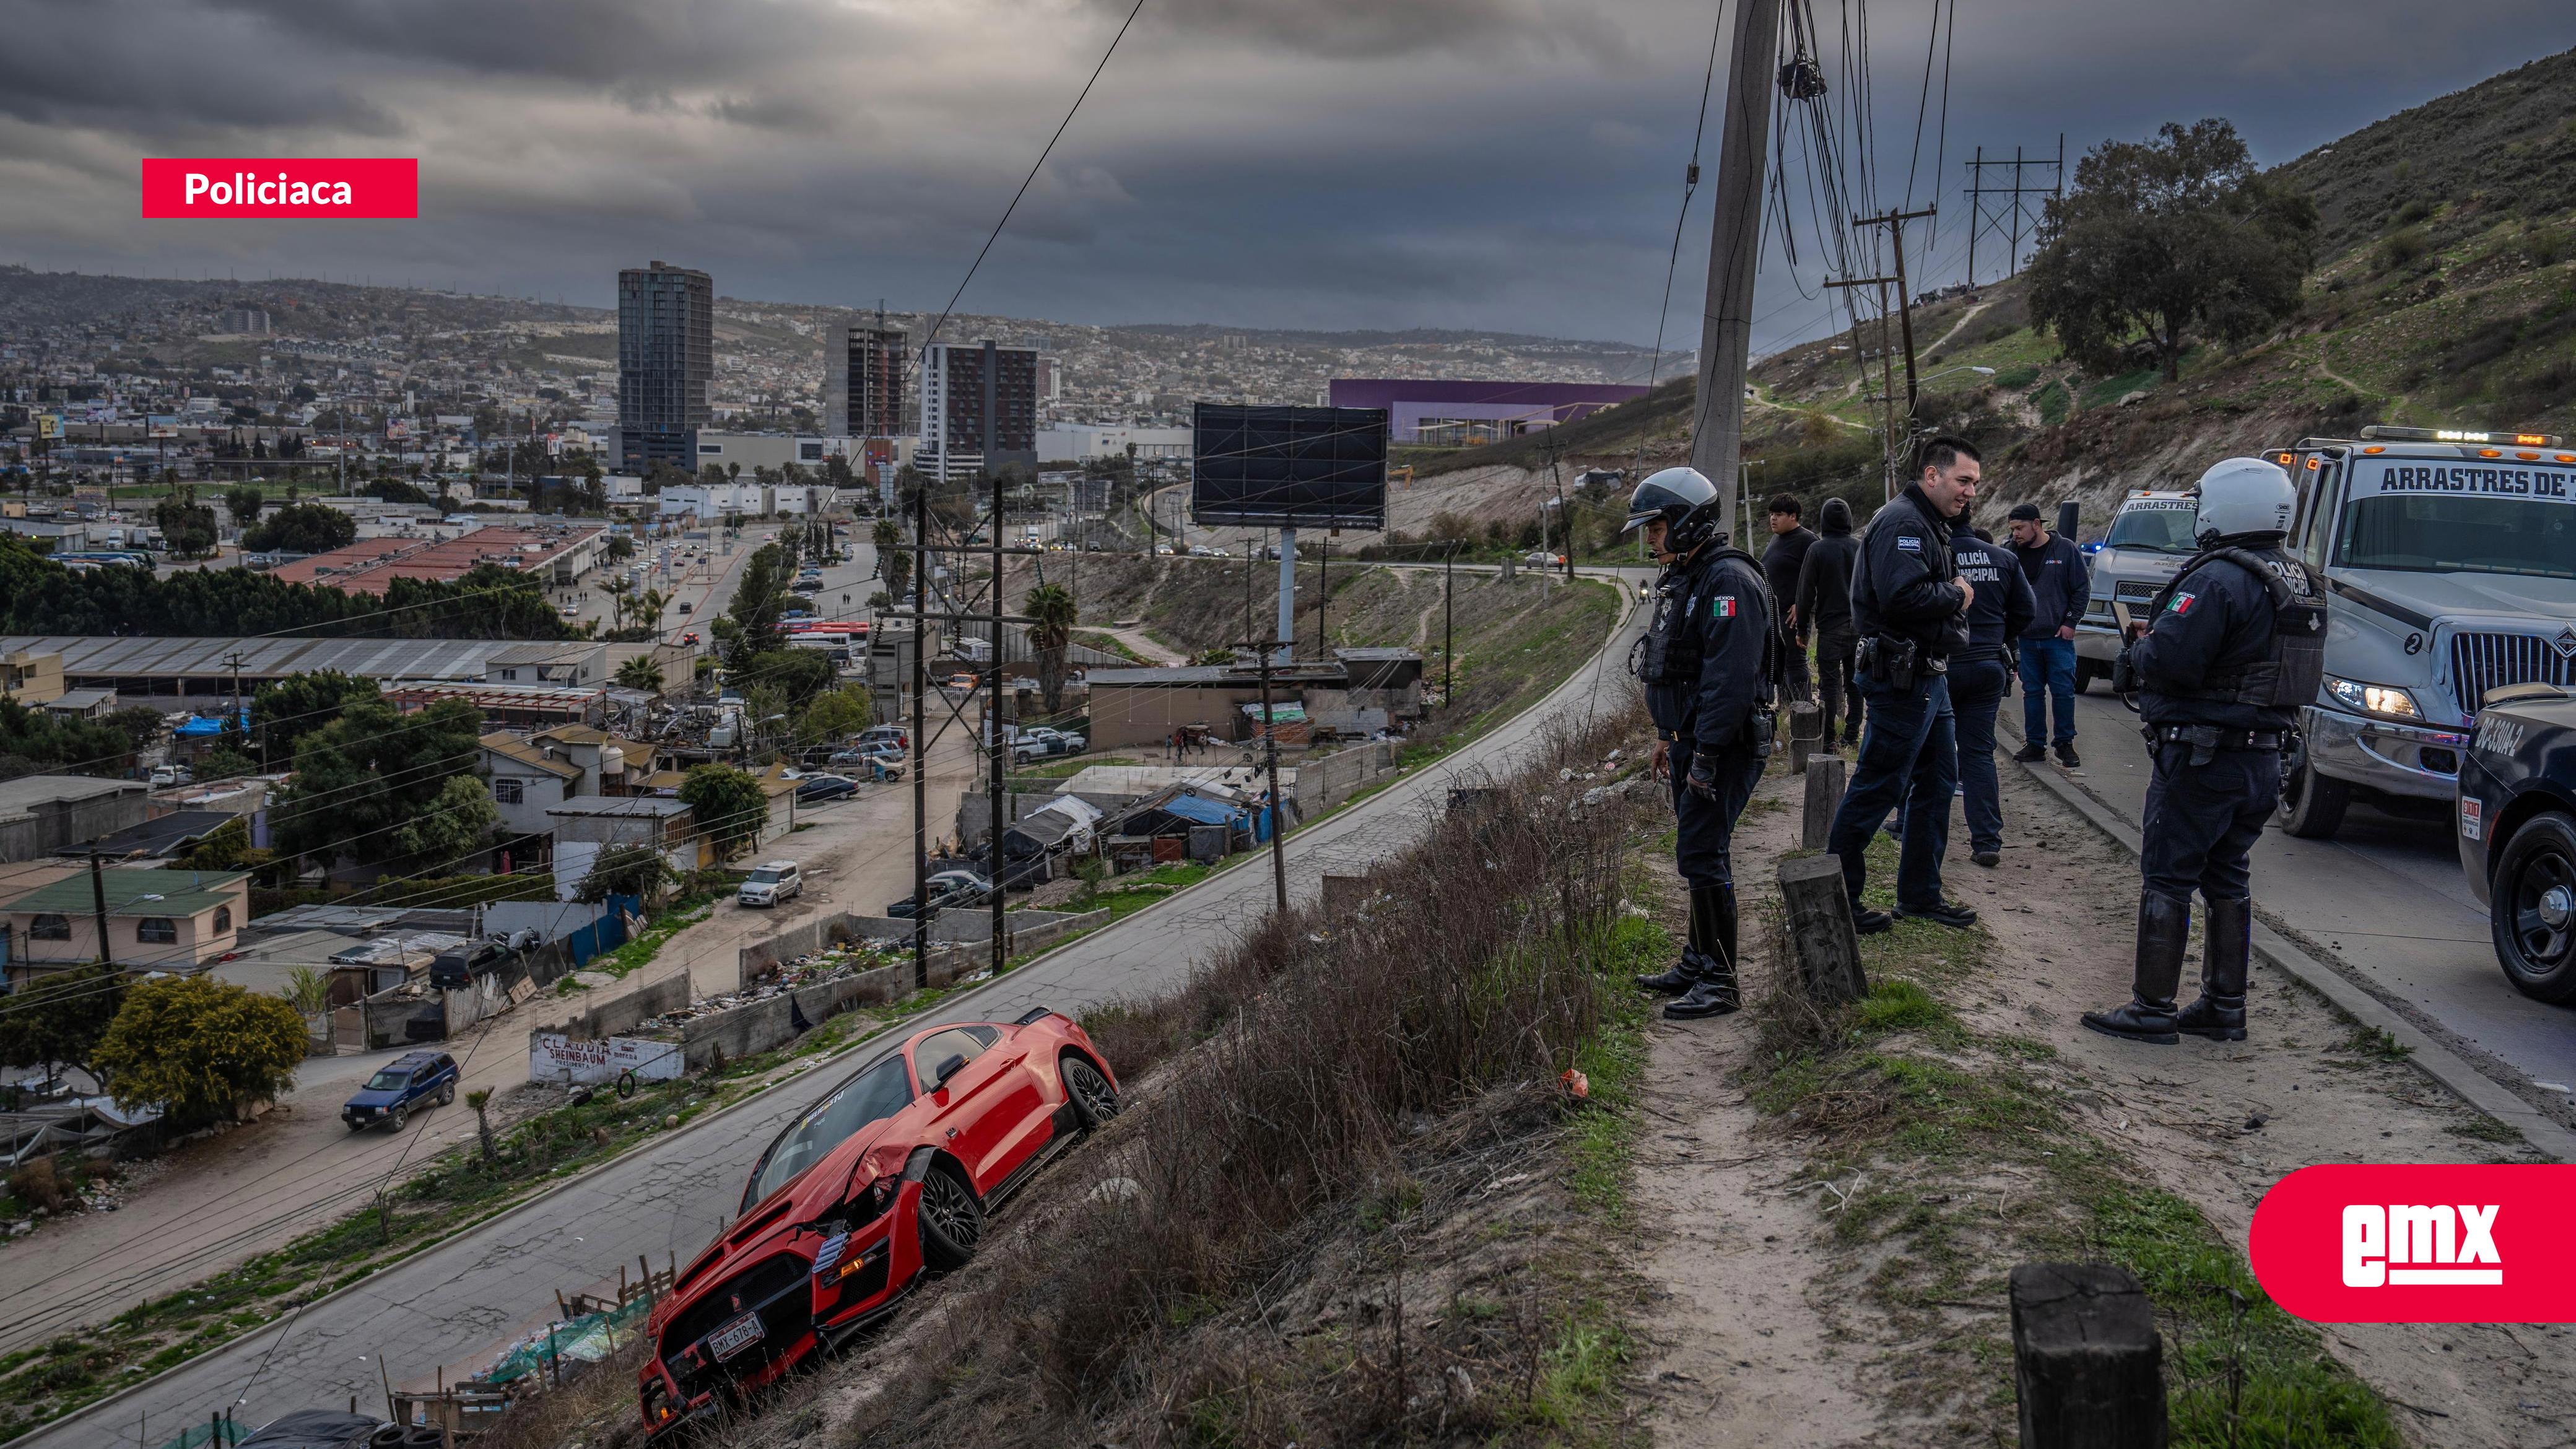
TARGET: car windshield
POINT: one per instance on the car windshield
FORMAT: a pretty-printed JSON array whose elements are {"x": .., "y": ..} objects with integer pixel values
[
  {"x": 868, "y": 1098},
  {"x": 2450, "y": 533},
  {"x": 762, "y": 876},
  {"x": 2155, "y": 527},
  {"x": 389, "y": 1080}
]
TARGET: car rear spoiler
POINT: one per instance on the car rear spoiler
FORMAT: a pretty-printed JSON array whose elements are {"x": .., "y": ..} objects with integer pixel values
[{"x": 1040, "y": 1014}]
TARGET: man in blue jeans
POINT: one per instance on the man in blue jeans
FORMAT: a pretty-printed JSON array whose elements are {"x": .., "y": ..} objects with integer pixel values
[
  {"x": 2060, "y": 585},
  {"x": 1909, "y": 606}
]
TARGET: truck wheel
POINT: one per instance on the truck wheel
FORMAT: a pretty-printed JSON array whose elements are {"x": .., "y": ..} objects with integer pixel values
[
  {"x": 2532, "y": 909},
  {"x": 2312, "y": 804},
  {"x": 447, "y": 1095},
  {"x": 394, "y": 1119},
  {"x": 2086, "y": 671}
]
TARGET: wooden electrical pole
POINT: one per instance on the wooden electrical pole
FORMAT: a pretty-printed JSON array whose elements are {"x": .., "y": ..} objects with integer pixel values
[
  {"x": 1735, "y": 250},
  {"x": 1895, "y": 222}
]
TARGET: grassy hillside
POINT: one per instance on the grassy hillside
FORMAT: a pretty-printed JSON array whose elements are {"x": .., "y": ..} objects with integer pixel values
[{"x": 2444, "y": 294}]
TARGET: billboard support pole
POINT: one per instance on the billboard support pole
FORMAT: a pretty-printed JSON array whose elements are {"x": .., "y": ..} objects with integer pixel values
[{"x": 1287, "y": 650}]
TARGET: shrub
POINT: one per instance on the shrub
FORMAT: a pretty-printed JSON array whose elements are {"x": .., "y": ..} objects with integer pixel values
[
  {"x": 199, "y": 1048},
  {"x": 2404, "y": 248}
]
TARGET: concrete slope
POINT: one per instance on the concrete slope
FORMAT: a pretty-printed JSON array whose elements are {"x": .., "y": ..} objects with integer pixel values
[{"x": 455, "y": 1303}]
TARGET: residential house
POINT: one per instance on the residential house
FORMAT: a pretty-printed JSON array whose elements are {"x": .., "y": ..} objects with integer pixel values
[
  {"x": 577, "y": 663},
  {"x": 585, "y": 827},
  {"x": 40, "y": 814},
  {"x": 31, "y": 678},
  {"x": 167, "y": 920},
  {"x": 527, "y": 781},
  {"x": 88, "y": 704}
]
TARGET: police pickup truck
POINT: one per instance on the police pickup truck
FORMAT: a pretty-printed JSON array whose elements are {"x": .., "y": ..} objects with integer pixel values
[
  {"x": 2517, "y": 820},
  {"x": 2150, "y": 537},
  {"x": 2451, "y": 560}
]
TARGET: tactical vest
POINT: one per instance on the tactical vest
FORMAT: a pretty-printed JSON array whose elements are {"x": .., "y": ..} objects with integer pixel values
[
  {"x": 2289, "y": 673},
  {"x": 1669, "y": 651}
]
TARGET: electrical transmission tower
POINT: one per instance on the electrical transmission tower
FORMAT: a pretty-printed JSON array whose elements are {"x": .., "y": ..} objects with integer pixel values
[{"x": 2004, "y": 210}]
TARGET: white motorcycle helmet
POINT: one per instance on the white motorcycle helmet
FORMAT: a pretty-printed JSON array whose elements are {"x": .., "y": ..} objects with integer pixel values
[{"x": 2241, "y": 496}]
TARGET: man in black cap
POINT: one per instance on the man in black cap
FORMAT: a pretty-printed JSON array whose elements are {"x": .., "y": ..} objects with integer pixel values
[
  {"x": 1781, "y": 562},
  {"x": 2060, "y": 585}
]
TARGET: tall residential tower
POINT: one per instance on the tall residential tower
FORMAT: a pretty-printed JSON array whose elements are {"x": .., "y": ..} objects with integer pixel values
[
  {"x": 955, "y": 442},
  {"x": 665, "y": 364},
  {"x": 863, "y": 381}
]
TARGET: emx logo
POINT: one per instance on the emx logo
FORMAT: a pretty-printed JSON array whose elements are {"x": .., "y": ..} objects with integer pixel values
[{"x": 2419, "y": 1244}]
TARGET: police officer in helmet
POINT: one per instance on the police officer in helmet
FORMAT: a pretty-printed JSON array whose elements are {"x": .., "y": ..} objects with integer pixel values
[
  {"x": 2233, "y": 646},
  {"x": 1707, "y": 677}
]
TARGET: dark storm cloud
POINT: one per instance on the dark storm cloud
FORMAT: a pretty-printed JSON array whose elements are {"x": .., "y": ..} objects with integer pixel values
[{"x": 1503, "y": 163}]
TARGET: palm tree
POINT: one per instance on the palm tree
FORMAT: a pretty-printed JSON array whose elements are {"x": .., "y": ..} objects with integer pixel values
[
  {"x": 641, "y": 673},
  {"x": 480, "y": 1099},
  {"x": 1052, "y": 614}
]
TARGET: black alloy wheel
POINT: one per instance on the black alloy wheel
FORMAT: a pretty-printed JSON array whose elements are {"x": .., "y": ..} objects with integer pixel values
[
  {"x": 447, "y": 1095},
  {"x": 2532, "y": 909},
  {"x": 952, "y": 1221},
  {"x": 1093, "y": 1098}
]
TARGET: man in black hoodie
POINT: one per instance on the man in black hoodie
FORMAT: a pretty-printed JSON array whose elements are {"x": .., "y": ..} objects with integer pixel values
[
  {"x": 1910, "y": 608},
  {"x": 1790, "y": 540},
  {"x": 1822, "y": 602}
]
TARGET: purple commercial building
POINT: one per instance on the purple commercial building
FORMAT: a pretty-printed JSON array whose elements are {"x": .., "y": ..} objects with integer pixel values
[{"x": 1422, "y": 410}]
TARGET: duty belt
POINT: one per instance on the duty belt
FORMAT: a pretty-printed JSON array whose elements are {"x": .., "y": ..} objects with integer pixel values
[{"x": 2206, "y": 740}]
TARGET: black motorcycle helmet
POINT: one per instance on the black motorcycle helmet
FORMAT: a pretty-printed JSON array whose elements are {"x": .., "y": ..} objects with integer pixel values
[{"x": 1687, "y": 503}]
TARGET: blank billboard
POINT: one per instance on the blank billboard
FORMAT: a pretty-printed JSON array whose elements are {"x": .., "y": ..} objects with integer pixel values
[{"x": 1264, "y": 467}]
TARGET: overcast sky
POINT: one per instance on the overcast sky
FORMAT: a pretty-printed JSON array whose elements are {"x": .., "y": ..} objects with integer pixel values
[{"x": 1509, "y": 164}]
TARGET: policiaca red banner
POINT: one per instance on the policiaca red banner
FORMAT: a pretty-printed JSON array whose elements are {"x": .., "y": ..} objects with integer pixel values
[
  {"x": 301, "y": 186},
  {"x": 2439, "y": 1243}
]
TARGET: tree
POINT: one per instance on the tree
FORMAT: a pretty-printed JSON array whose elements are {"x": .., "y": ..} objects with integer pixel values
[
  {"x": 140, "y": 724},
  {"x": 1052, "y": 613},
  {"x": 33, "y": 741},
  {"x": 366, "y": 782},
  {"x": 620, "y": 548},
  {"x": 480, "y": 1099},
  {"x": 729, "y": 804},
  {"x": 2164, "y": 236},
  {"x": 200, "y": 1048},
  {"x": 640, "y": 673},
  {"x": 187, "y": 526},
  {"x": 58, "y": 1020},
  {"x": 243, "y": 504},
  {"x": 284, "y": 711},
  {"x": 625, "y": 870},
  {"x": 758, "y": 600},
  {"x": 302, "y": 528},
  {"x": 894, "y": 561},
  {"x": 835, "y": 715},
  {"x": 797, "y": 674}
]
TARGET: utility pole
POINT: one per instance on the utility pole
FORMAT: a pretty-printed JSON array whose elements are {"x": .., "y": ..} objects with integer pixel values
[
  {"x": 1278, "y": 818},
  {"x": 1324, "y": 600},
  {"x": 920, "y": 741},
  {"x": 1895, "y": 222},
  {"x": 98, "y": 902},
  {"x": 234, "y": 660},
  {"x": 1735, "y": 249},
  {"x": 1449, "y": 626},
  {"x": 1890, "y": 435},
  {"x": 999, "y": 678},
  {"x": 1984, "y": 218}
]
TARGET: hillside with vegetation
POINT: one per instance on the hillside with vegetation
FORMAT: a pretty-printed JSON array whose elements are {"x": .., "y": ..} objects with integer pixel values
[{"x": 2443, "y": 293}]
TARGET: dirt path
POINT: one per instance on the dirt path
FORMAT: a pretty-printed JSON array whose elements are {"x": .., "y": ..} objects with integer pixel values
[
  {"x": 1964, "y": 319},
  {"x": 1143, "y": 643},
  {"x": 1775, "y": 1326}
]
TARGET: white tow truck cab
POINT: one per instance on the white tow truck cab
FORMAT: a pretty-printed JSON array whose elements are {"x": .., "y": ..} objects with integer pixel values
[{"x": 2450, "y": 560}]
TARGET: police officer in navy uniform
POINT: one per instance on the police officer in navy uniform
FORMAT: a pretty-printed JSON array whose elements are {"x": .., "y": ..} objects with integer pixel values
[
  {"x": 2236, "y": 645},
  {"x": 1910, "y": 607},
  {"x": 1707, "y": 673}
]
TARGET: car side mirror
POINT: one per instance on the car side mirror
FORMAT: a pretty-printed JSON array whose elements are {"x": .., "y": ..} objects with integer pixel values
[{"x": 955, "y": 1063}]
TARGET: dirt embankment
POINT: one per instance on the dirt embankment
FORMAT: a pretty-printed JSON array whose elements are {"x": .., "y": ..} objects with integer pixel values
[{"x": 1839, "y": 1196}]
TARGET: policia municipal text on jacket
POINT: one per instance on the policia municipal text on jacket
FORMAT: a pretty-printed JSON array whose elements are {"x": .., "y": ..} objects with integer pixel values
[
  {"x": 2236, "y": 645},
  {"x": 1707, "y": 671}
]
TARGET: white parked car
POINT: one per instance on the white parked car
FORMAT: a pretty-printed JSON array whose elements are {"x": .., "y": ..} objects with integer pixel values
[{"x": 771, "y": 882}]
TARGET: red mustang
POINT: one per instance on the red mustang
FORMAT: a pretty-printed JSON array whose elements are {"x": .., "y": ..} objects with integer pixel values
[{"x": 890, "y": 1173}]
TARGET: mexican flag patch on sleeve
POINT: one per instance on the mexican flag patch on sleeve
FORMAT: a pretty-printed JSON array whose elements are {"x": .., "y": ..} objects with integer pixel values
[
  {"x": 1723, "y": 606},
  {"x": 2181, "y": 604}
]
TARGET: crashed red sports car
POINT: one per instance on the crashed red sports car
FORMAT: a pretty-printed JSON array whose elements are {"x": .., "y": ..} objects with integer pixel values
[{"x": 890, "y": 1173}]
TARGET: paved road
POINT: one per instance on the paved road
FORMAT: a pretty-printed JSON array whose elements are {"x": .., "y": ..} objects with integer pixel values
[
  {"x": 2385, "y": 898},
  {"x": 455, "y": 1303}
]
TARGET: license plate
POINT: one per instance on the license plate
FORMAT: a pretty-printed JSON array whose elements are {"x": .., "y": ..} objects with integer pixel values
[{"x": 736, "y": 1336}]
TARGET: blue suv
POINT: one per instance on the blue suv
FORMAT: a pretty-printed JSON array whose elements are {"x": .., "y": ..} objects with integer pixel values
[{"x": 414, "y": 1079}]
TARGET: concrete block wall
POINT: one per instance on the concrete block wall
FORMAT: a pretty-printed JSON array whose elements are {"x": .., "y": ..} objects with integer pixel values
[
  {"x": 619, "y": 1015},
  {"x": 1326, "y": 782}
]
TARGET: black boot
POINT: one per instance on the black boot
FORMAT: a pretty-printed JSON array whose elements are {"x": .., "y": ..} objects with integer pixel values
[
  {"x": 2164, "y": 929},
  {"x": 1715, "y": 993},
  {"x": 2219, "y": 1014},
  {"x": 1695, "y": 956}
]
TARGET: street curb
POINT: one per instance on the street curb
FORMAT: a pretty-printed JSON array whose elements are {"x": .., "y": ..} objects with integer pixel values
[
  {"x": 1626, "y": 612},
  {"x": 2435, "y": 1060}
]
